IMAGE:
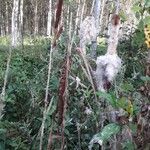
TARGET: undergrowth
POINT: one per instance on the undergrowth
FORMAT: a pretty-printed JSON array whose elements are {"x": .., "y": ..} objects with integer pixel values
[{"x": 25, "y": 92}]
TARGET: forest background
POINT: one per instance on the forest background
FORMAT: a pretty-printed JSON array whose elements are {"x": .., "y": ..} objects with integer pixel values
[{"x": 47, "y": 98}]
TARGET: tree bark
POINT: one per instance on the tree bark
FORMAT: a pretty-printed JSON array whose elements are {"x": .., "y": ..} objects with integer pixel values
[
  {"x": 77, "y": 16},
  {"x": 2, "y": 22},
  {"x": 20, "y": 29},
  {"x": 7, "y": 19},
  {"x": 36, "y": 26},
  {"x": 2, "y": 26},
  {"x": 49, "y": 19},
  {"x": 82, "y": 11},
  {"x": 96, "y": 15},
  {"x": 17, "y": 23}
]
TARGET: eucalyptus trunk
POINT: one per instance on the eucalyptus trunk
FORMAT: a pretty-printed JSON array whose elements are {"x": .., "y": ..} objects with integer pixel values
[
  {"x": 36, "y": 26},
  {"x": 14, "y": 25},
  {"x": 2, "y": 26},
  {"x": 7, "y": 19},
  {"x": 96, "y": 14},
  {"x": 20, "y": 26},
  {"x": 77, "y": 16},
  {"x": 49, "y": 19}
]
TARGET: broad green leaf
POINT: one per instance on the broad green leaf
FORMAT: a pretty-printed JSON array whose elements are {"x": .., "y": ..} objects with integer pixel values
[
  {"x": 108, "y": 131},
  {"x": 129, "y": 108},
  {"x": 125, "y": 104},
  {"x": 107, "y": 97},
  {"x": 144, "y": 78},
  {"x": 122, "y": 103}
]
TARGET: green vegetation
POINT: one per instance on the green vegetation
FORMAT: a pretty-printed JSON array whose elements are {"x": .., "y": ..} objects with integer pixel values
[
  {"x": 75, "y": 115},
  {"x": 25, "y": 92}
]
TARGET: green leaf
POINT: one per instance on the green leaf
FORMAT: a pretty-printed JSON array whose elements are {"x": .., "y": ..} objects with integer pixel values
[
  {"x": 147, "y": 3},
  {"x": 105, "y": 134},
  {"x": 123, "y": 16},
  {"x": 122, "y": 103},
  {"x": 136, "y": 8},
  {"x": 107, "y": 97},
  {"x": 144, "y": 78},
  {"x": 139, "y": 37},
  {"x": 128, "y": 145},
  {"x": 2, "y": 133},
  {"x": 2, "y": 145},
  {"x": 127, "y": 87},
  {"x": 146, "y": 20},
  {"x": 2, "y": 138},
  {"x": 133, "y": 127}
]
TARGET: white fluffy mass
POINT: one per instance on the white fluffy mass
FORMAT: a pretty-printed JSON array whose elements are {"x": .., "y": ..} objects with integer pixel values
[{"x": 107, "y": 68}]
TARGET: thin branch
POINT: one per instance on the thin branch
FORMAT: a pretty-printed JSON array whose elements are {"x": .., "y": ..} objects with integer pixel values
[
  {"x": 74, "y": 79},
  {"x": 6, "y": 75},
  {"x": 82, "y": 11},
  {"x": 66, "y": 94},
  {"x": 50, "y": 139},
  {"x": 46, "y": 96},
  {"x": 77, "y": 17},
  {"x": 88, "y": 72}
]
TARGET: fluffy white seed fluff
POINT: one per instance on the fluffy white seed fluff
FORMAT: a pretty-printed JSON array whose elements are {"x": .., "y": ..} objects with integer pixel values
[{"x": 107, "y": 67}]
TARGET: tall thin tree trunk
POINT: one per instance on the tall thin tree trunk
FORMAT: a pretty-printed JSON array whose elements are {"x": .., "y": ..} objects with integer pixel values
[
  {"x": 77, "y": 16},
  {"x": 14, "y": 26},
  {"x": 101, "y": 15},
  {"x": 96, "y": 15},
  {"x": 20, "y": 26},
  {"x": 7, "y": 19},
  {"x": 67, "y": 19},
  {"x": 2, "y": 26},
  {"x": 17, "y": 23},
  {"x": 2, "y": 20},
  {"x": 49, "y": 18},
  {"x": 36, "y": 26},
  {"x": 82, "y": 11}
]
